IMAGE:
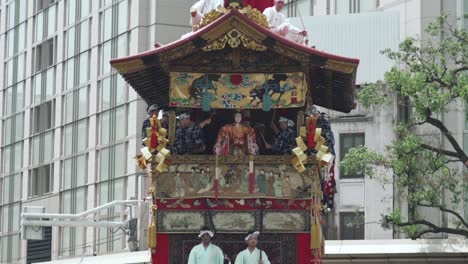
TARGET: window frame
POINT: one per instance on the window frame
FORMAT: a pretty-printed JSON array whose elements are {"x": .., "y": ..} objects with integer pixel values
[
  {"x": 362, "y": 227},
  {"x": 342, "y": 153}
]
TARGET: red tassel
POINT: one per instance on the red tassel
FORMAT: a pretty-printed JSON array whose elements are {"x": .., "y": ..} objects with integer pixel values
[
  {"x": 311, "y": 134},
  {"x": 216, "y": 188},
  {"x": 251, "y": 182},
  {"x": 154, "y": 140}
]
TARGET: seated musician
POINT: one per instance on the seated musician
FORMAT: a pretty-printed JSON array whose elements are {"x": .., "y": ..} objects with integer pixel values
[
  {"x": 285, "y": 137},
  {"x": 236, "y": 139},
  {"x": 152, "y": 110},
  {"x": 189, "y": 136}
]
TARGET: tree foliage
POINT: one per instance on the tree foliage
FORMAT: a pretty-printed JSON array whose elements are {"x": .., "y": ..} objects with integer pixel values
[{"x": 429, "y": 75}]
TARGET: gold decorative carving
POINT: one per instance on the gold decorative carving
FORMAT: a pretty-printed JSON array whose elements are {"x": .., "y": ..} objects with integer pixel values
[
  {"x": 256, "y": 16},
  {"x": 210, "y": 17},
  {"x": 234, "y": 38},
  {"x": 252, "y": 13}
]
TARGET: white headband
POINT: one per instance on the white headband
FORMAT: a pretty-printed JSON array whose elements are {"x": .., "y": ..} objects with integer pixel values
[
  {"x": 256, "y": 233},
  {"x": 284, "y": 119},
  {"x": 206, "y": 232}
]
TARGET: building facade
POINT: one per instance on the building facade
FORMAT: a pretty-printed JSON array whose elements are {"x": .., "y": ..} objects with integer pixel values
[{"x": 69, "y": 124}]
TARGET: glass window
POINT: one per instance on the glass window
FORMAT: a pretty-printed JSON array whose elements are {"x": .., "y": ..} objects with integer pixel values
[
  {"x": 39, "y": 27},
  {"x": 17, "y": 187},
  {"x": 8, "y": 101},
  {"x": 120, "y": 193},
  {"x": 50, "y": 82},
  {"x": 21, "y": 36},
  {"x": 104, "y": 194},
  {"x": 35, "y": 147},
  {"x": 7, "y": 131},
  {"x": 120, "y": 160},
  {"x": 4, "y": 239},
  {"x": 23, "y": 8},
  {"x": 70, "y": 74},
  {"x": 9, "y": 71},
  {"x": 68, "y": 107},
  {"x": 18, "y": 152},
  {"x": 105, "y": 129},
  {"x": 37, "y": 87},
  {"x": 71, "y": 11},
  {"x": 51, "y": 23},
  {"x": 5, "y": 220},
  {"x": 82, "y": 135},
  {"x": 121, "y": 91},
  {"x": 65, "y": 239},
  {"x": 67, "y": 174},
  {"x": 351, "y": 225},
  {"x": 71, "y": 42},
  {"x": 16, "y": 217},
  {"x": 81, "y": 200},
  {"x": 6, "y": 159},
  {"x": 348, "y": 141},
  {"x": 84, "y": 8},
  {"x": 82, "y": 102},
  {"x": 81, "y": 170},
  {"x": 10, "y": 15},
  {"x": 106, "y": 57},
  {"x": 122, "y": 44},
  {"x": 104, "y": 169},
  {"x": 123, "y": 17},
  {"x": 120, "y": 122},
  {"x": 19, "y": 132},
  {"x": 105, "y": 93},
  {"x": 68, "y": 139},
  {"x": 84, "y": 36},
  {"x": 20, "y": 67},
  {"x": 48, "y": 146},
  {"x": 6, "y": 189},
  {"x": 84, "y": 64},
  {"x": 10, "y": 42},
  {"x": 107, "y": 24}
]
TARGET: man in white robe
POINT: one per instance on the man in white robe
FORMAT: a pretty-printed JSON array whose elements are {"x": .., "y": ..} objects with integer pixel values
[
  {"x": 280, "y": 25},
  {"x": 202, "y": 7},
  {"x": 206, "y": 252},
  {"x": 252, "y": 255}
]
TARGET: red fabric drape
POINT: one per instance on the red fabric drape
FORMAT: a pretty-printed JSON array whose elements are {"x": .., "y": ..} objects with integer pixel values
[
  {"x": 161, "y": 256},
  {"x": 303, "y": 249},
  {"x": 259, "y": 4}
]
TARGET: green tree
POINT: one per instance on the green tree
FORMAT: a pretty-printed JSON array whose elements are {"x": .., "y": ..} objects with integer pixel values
[{"x": 428, "y": 76}]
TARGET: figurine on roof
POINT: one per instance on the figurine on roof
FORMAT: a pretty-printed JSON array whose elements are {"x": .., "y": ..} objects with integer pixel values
[{"x": 280, "y": 25}]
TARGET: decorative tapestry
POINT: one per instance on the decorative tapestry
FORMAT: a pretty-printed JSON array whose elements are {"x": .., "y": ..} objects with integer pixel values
[{"x": 226, "y": 90}]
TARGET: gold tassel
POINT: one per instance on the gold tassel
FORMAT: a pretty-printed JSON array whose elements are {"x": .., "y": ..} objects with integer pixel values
[
  {"x": 316, "y": 235},
  {"x": 152, "y": 233}
]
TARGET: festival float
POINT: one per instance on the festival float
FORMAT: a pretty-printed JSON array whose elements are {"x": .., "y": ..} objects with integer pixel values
[{"x": 234, "y": 65}]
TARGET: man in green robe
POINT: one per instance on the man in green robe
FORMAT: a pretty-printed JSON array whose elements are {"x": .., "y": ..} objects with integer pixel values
[
  {"x": 206, "y": 252},
  {"x": 252, "y": 255}
]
